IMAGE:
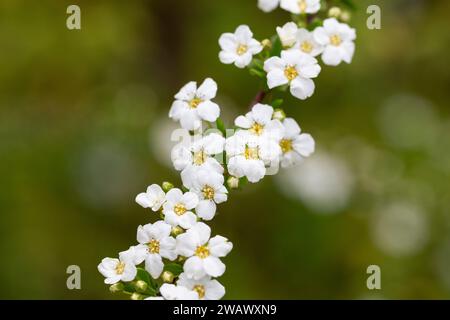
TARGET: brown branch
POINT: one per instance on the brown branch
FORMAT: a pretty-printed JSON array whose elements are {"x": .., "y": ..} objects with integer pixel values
[{"x": 258, "y": 98}]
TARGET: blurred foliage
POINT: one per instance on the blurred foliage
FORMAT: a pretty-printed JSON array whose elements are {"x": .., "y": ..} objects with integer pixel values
[{"x": 82, "y": 112}]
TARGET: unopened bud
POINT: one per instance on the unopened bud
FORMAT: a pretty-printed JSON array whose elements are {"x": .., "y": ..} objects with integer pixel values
[
  {"x": 278, "y": 114},
  {"x": 266, "y": 43},
  {"x": 334, "y": 12},
  {"x": 166, "y": 186},
  {"x": 345, "y": 16},
  {"x": 116, "y": 287},
  {"x": 233, "y": 182},
  {"x": 141, "y": 285},
  {"x": 176, "y": 231},
  {"x": 137, "y": 296},
  {"x": 167, "y": 276}
]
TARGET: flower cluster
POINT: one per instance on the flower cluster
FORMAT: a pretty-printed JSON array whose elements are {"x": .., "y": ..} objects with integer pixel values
[{"x": 175, "y": 257}]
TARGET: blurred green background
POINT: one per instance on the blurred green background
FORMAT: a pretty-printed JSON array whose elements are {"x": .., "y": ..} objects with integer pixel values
[{"x": 84, "y": 128}]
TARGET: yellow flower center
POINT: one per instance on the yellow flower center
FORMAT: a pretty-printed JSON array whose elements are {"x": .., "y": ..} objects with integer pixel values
[
  {"x": 208, "y": 192},
  {"x": 251, "y": 153},
  {"x": 202, "y": 252},
  {"x": 302, "y": 5},
  {"x": 179, "y": 209},
  {"x": 241, "y": 49},
  {"x": 306, "y": 47},
  {"x": 120, "y": 267},
  {"x": 200, "y": 290},
  {"x": 153, "y": 246},
  {"x": 195, "y": 102},
  {"x": 336, "y": 40},
  {"x": 257, "y": 128},
  {"x": 199, "y": 157},
  {"x": 286, "y": 145},
  {"x": 291, "y": 73}
]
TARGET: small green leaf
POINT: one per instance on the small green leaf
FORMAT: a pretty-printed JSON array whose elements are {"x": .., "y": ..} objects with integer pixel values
[
  {"x": 143, "y": 275},
  {"x": 175, "y": 268},
  {"x": 220, "y": 126},
  {"x": 277, "y": 102}
]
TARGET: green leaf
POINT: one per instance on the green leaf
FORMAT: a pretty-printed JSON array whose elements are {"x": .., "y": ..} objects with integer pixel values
[
  {"x": 175, "y": 268},
  {"x": 276, "y": 47},
  {"x": 220, "y": 126},
  {"x": 143, "y": 275}
]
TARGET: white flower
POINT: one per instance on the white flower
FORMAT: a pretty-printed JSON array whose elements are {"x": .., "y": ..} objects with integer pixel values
[
  {"x": 157, "y": 242},
  {"x": 208, "y": 185},
  {"x": 306, "y": 43},
  {"x": 301, "y": 6},
  {"x": 135, "y": 254},
  {"x": 192, "y": 104},
  {"x": 154, "y": 197},
  {"x": 177, "y": 209},
  {"x": 198, "y": 155},
  {"x": 202, "y": 252},
  {"x": 239, "y": 47},
  {"x": 268, "y": 5},
  {"x": 288, "y": 34},
  {"x": 177, "y": 292},
  {"x": 294, "y": 144},
  {"x": 206, "y": 288},
  {"x": 248, "y": 154},
  {"x": 259, "y": 122},
  {"x": 338, "y": 41},
  {"x": 115, "y": 270},
  {"x": 294, "y": 68}
]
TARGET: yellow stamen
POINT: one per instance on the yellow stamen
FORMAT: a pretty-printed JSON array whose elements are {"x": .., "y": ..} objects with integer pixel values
[
  {"x": 208, "y": 192},
  {"x": 291, "y": 73},
  {"x": 120, "y": 267},
  {"x": 257, "y": 128},
  {"x": 241, "y": 49},
  {"x": 302, "y": 6},
  {"x": 179, "y": 209},
  {"x": 336, "y": 40},
  {"x": 199, "y": 157},
  {"x": 286, "y": 145},
  {"x": 153, "y": 246},
  {"x": 200, "y": 290},
  {"x": 202, "y": 252},
  {"x": 195, "y": 102},
  {"x": 251, "y": 153},
  {"x": 306, "y": 47}
]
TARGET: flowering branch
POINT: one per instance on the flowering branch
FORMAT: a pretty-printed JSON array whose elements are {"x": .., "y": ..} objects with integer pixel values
[{"x": 176, "y": 257}]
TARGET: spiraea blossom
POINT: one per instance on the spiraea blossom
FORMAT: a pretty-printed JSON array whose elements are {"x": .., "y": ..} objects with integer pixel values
[
  {"x": 176, "y": 258},
  {"x": 337, "y": 38},
  {"x": 300, "y": 6},
  {"x": 295, "y": 69},
  {"x": 239, "y": 47},
  {"x": 192, "y": 104},
  {"x": 202, "y": 253},
  {"x": 294, "y": 145},
  {"x": 178, "y": 208},
  {"x": 154, "y": 197}
]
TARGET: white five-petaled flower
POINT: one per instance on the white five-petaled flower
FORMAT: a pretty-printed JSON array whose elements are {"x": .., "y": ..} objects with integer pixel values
[
  {"x": 238, "y": 47},
  {"x": 176, "y": 292},
  {"x": 301, "y": 6},
  {"x": 294, "y": 68},
  {"x": 288, "y": 34},
  {"x": 306, "y": 43},
  {"x": 268, "y": 5},
  {"x": 259, "y": 122},
  {"x": 192, "y": 104},
  {"x": 206, "y": 288},
  {"x": 202, "y": 252},
  {"x": 115, "y": 270},
  {"x": 208, "y": 185},
  {"x": 156, "y": 243},
  {"x": 177, "y": 209},
  {"x": 249, "y": 154},
  {"x": 338, "y": 41},
  {"x": 198, "y": 155},
  {"x": 294, "y": 144},
  {"x": 154, "y": 197}
]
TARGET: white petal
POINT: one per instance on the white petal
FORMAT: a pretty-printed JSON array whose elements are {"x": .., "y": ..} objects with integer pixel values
[
  {"x": 274, "y": 63},
  {"x": 206, "y": 209},
  {"x": 268, "y": 5},
  {"x": 262, "y": 113},
  {"x": 208, "y": 111},
  {"x": 214, "y": 143},
  {"x": 143, "y": 200},
  {"x": 190, "y": 200},
  {"x": 203, "y": 232},
  {"x": 219, "y": 246},
  {"x": 227, "y": 42},
  {"x": 214, "y": 290},
  {"x": 154, "y": 265},
  {"x": 186, "y": 244},
  {"x": 304, "y": 145},
  {"x": 321, "y": 36},
  {"x": 187, "y": 92},
  {"x": 213, "y": 266},
  {"x": 276, "y": 78},
  {"x": 178, "y": 109},
  {"x": 243, "y": 60},
  {"x": 228, "y": 57},
  {"x": 207, "y": 90},
  {"x": 243, "y": 34},
  {"x": 187, "y": 220},
  {"x": 242, "y": 122},
  {"x": 291, "y": 128},
  {"x": 255, "y": 171},
  {"x": 193, "y": 267},
  {"x": 167, "y": 248},
  {"x": 142, "y": 236},
  {"x": 174, "y": 195},
  {"x": 129, "y": 272},
  {"x": 302, "y": 88},
  {"x": 331, "y": 56},
  {"x": 190, "y": 120}
]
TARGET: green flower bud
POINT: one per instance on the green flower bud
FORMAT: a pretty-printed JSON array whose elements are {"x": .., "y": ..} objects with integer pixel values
[
  {"x": 279, "y": 114},
  {"x": 166, "y": 186},
  {"x": 177, "y": 231},
  {"x": 334, "y": 12},
  {"x": 345, "y": 16},
  {"x": 141, "y": 285},
  {"x": 167, "y": 276},
  {"x": 116, "y": 287},
  {"x": 266, "y": 43},
  {"x": 233, "y": 182},
  {"x": 137, "y": 296}
]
